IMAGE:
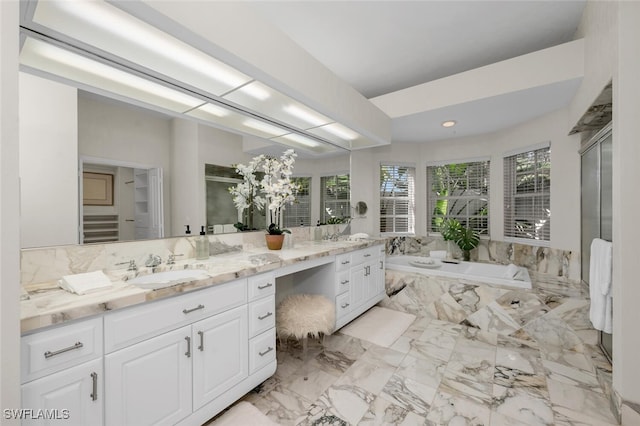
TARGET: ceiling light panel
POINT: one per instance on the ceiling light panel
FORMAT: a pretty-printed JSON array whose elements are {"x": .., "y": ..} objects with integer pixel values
[
  {"x": 108, "y": 28},
  {"x": 50, "y": 59},
  {"x": 262, "y": 99},
  {"x": 218, "y": 116},
  {"x": 340, "y": 135},
  {"x": 298, "y": 141}
]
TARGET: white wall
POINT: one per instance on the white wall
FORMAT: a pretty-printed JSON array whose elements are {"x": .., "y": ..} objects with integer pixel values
[
  {"x": 48, "y": 162},
  {"x": 626, "y": 204},
  {"x": 9, "y": 211},
  {"x": 565, "y": 179}
]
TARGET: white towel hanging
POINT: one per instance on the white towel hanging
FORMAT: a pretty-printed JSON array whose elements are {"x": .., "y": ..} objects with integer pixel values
[{"x": 600, "y": 312}]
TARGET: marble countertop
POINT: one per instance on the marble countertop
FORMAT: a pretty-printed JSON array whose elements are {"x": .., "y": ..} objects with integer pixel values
[{"x": 48, "y": 304}]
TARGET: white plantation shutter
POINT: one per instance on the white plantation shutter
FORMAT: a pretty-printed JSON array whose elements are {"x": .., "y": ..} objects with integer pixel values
[
  {"x": 335, "y": 197},
  {"x": 459, "y": 191},
  {"x": 397, "y": 199},
  {"x": 299, "y": 213},
  {"x": 527, "y": 195}
]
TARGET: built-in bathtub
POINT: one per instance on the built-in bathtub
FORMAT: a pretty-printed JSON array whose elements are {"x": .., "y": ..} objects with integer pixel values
[{"x": 481, "y": 272}]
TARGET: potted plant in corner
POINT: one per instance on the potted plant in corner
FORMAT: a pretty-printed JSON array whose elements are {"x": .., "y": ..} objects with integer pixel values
[{"x": 278, "y": 190}]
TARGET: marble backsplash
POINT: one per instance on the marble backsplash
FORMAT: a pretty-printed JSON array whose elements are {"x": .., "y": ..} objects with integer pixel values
[
  {"x": 546, "y": 260},
  {"x": 46, "y": 264}
]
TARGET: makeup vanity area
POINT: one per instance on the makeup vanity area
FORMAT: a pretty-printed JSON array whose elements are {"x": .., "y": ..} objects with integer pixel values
[{"x": 182, "y": 353}]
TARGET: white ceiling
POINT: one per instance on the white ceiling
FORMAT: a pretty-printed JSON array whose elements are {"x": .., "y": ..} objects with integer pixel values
[{"x": 380, "y": 47}]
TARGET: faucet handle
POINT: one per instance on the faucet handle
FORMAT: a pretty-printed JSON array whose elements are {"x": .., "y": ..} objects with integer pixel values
[
  {"x": 131, "y": 263},
  {"x": 172, "y": 258}
]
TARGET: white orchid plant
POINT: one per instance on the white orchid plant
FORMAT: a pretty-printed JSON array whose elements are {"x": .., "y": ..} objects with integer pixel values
[{"x": 272, "y": 192}]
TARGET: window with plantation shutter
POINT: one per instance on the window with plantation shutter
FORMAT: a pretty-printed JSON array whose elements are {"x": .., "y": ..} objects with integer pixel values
[
  {"x": 527, "y": 200},
  {"x": 458, "y": 191},
  {"x": 335, "y": 197},
  {"x": 397, "y": 199},
  {"x": 299, "y": 213}
]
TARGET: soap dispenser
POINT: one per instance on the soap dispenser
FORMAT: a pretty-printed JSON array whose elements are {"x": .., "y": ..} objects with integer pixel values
[
  {"x": 317, "y": 233},
  {"x": 202, "y": 245}
]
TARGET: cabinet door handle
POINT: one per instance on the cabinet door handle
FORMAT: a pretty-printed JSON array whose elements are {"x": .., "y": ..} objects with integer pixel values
[
  {"x": 49, "y": 354},
  {"x": 345, "y": 262},
  {"x": 265, "y": 352},
  {"x": 381, "y": 264},
  {"x": 344, "y": 282},
  {"x": 344, "y": 305},
  {"x": 367, "y": 255},
  {"x": 267, "y": 285},
  {"x": 188, "y": 352},
  {"x": 94, "y": 387},
  {"x": 267, "y": 315},
  {"x": 201, "y": 334},
  {"x": 188, "y": 311}
]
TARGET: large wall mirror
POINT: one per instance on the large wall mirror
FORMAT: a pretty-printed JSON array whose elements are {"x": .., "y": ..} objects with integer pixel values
[{"x": 66, "y": 132}]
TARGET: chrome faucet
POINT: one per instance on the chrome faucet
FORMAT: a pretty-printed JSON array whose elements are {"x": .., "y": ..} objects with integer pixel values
[
  {"x": 152, "y": 261},
  {"x": 131, "y": 263}
]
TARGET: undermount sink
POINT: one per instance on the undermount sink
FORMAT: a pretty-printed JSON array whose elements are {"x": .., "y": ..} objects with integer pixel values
[{"x": 168, "y": 278}]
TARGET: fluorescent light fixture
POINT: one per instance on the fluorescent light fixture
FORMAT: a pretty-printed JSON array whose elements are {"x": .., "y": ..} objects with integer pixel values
[
  {"x": 256, "y": 90},
  {"x": 213, "y": 110},
  {"x": 108, "y": 28},
  {"x": 341, "y": 131},
  {"x": 51, "y": 59},
  {"x": 302, "y": 140},
  {"x": 306, "y": 114},
  {"x": 448, "y": 123},
  {"x": 264, "y": 127}
]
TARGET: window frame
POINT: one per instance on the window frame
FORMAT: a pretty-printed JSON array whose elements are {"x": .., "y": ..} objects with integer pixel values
[
  {"x": 511, "y": 217},
  {"x": 295, "y": 207},
  {"x": 410, "y": 200},
  {"x": 324, "y": 215},
  {"x": 432, "y": 199}
]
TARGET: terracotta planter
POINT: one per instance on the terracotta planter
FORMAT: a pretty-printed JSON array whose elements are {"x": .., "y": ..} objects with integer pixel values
[{"x": 274, "y": 242}]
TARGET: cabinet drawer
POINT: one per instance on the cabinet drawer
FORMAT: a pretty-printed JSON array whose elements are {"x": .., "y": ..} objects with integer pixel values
[
  {"x": 343, "y": 304},
  {"x": 262, "y": 350},
  {"x": 262, "y": 285},
  {"x": 343, "y": 262},
  {"x": 262, "y": 315},
  {"x": 343, "y": 281},
  {"x": 135, "y": 324},
  {"x": 59, "y": 348},
  {"x": 365, "y": 255}
]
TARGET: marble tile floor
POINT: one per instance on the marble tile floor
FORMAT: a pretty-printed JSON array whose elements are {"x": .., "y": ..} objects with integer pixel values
[{"x": 517, "y": 358}]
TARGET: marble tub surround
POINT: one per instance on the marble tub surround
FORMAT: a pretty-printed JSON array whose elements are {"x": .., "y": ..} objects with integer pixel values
[
  {"x": 555, "y": 262},
  {"x": 48, "y": 304},
  {"x": 530, "y": 365}
]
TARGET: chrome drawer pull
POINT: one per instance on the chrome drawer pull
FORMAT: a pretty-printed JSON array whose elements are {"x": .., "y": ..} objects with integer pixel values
[
  {"x": 262, "y": 287},
  {"x": 381, "y": 265},
  {"x": 344, "y": 282},
  {"x": 265, "y": 352},
  {"x": 367, "y": 255},
  {"x": 345, "y": 305},
  {"x": 94, "y": 390},
  {"x": 267, "y": 315},
  {"x": 188, "y": 311},
  {"x": 345, "y": 262},
  {"x": 188, "y": 352},
  {"x": 201, "y": 347},
  {"x": 49, "y": 354}
]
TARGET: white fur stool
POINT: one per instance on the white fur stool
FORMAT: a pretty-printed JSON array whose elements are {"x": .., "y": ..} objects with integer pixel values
[{"x": 305, "y": 315}]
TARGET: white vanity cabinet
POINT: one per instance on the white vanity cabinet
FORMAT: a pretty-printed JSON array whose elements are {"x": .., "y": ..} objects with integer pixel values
[
  {"x": 357, "y": 283},
  {"x": 61, "y": 371}
]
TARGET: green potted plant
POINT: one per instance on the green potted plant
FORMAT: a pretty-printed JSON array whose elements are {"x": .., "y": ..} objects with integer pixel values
[{"x": 466, "y": 238}]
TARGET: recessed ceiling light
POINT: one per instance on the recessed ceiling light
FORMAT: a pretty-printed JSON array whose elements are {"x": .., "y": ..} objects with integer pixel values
[{"x": 448, "y": 123}]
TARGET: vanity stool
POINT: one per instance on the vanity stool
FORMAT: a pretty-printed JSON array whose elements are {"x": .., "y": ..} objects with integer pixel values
[{"x": 304, "y": 315}]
